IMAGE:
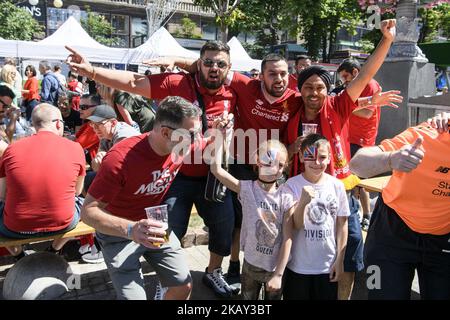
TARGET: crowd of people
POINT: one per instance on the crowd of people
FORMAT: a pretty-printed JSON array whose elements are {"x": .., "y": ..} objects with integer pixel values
[{"x": 291, "y": 203}]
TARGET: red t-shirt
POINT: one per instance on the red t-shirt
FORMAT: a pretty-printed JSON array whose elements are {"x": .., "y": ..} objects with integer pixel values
[
  {"x": 41, "y": 173},
  {"x": 293, "y": 82},
  {"x": 253, "y": 111},
  {"x": 363, "y": 131},
  {"x": 88, "y": 139},
  {"x": 132, "y": 177},
  {"x": 181, "y": 84}
]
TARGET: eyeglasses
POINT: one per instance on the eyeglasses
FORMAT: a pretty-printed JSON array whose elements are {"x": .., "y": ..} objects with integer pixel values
[
  {"x": 192, "y": 134},
  {"x": 60, "y": 120},
  {"x": 86, "y": 106},
  {"x": 221, "y": 64},
  {"x": 254, "y": 75},
  {"x": 5, "y": 105},
  {"x": 98, "y": 124}
]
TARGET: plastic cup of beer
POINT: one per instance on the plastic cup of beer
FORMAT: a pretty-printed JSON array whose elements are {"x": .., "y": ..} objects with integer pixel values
[
  {"x": 308, "y": 128},
  {"x": 159, "y": 214}
]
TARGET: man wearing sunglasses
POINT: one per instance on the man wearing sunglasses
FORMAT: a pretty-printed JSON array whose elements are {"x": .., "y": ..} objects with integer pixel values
[
  {"x": 207, "y": 84},
  {"x": 136, "y": 174}
]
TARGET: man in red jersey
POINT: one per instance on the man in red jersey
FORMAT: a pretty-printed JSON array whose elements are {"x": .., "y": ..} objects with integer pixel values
[
  {"x": 331, "y": 114},
  {"x": 301, "y": 62},
  {"x": 41, "y": 191},
  {"x": 362, "y": 130},
  {"x": 136, "y": 174}
]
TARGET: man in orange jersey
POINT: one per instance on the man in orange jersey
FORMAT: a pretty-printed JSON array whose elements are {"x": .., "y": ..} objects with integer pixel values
[{"x": 410, "y": 225}]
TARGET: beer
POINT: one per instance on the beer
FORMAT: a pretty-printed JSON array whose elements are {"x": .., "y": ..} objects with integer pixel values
[{"x": 159, "y": 214}]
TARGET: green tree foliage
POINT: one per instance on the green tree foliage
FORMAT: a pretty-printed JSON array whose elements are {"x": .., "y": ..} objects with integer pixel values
[
  {"x": 187, "y": 29},
  {"x": 435, "y": 21},
  {"x": 99, "y": 28},
  {"x": 266, "y": 19},
  {"x": 17, "y": 23},
  {"x": 226, "y": 14},
  {"x": 316, "y": 21},
  {"x": 319, "y": 21}
]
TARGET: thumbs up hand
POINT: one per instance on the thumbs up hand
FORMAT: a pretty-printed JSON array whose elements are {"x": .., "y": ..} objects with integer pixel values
[{"x": 407, "y": 158}]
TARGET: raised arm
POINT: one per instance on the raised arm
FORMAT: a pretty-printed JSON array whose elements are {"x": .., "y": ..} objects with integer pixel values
[
  {"x": 299, "y": 211},
  {"x": 187, "y": 64},
  {"x": 374, "y": 62},
  {"x": 216, "y": 165},
  {"x": 118, "y": 79},
  {"x": 372, "y": 161},
  {"x": 379, "y": 99}
]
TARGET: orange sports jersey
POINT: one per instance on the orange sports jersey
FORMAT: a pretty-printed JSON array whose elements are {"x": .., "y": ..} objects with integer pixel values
[{"x": 422, "y": 197}]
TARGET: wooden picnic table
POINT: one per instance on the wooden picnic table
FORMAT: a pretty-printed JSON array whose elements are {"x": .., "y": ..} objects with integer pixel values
[{"x": 374, "y": 184}]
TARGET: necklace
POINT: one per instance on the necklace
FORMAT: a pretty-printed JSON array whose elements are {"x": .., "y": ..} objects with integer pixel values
[{"x": 266, "y": 185}]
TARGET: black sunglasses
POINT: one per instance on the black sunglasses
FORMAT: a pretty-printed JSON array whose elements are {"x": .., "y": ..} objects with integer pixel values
[
  {"x": 210, "y": 63},
  {"x": 86, "y": 106}
]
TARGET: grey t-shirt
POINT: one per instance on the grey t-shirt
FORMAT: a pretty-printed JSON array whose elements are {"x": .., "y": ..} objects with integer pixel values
[
  {"x": 123, "y": 131},
  {"x": 262, "y": 220}
]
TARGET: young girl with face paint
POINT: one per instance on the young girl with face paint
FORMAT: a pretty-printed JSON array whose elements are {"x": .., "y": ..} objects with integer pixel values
[
  {"x": 320, "y": 220},
  {"x": 267, "y": 226}
]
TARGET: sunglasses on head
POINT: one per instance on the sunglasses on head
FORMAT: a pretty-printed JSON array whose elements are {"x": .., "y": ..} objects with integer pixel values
[
  {"x": 210, "y": 63},
  {"x": 86, "y": 106}
]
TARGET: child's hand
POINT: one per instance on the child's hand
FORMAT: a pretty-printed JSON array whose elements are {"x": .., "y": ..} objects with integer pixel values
[
  {"x": 274, "y": 284},
  {"x": 336, "y": 270},
  {"x": 308, "y": 194}
]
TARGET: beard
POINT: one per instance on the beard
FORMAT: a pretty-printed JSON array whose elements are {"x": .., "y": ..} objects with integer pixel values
[
  {"x": 212, "y": 85},
  {"x": 275, "y": 92}
]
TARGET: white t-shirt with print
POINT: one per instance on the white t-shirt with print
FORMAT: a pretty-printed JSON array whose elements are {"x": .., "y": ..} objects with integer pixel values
[
  {"x": 262, "y": 219},
  {"x": 314, "y": 246}
]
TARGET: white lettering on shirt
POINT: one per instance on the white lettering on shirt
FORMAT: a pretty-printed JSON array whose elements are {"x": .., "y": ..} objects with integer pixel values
[{"x": 161, "y": 182}]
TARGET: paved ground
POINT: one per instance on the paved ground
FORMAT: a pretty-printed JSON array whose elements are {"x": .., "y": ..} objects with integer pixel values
[{"x": 96, "y": 285}]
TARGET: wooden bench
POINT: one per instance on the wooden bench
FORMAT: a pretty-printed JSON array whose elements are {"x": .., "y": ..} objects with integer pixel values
[
  {"x": 80, "y": 230},
  {"x": 374, "y": 184}
]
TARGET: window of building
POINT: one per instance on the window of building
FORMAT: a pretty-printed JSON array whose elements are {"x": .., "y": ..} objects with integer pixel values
[
  {"x": 139, "y": 30},
  {"x": 120, "y": 24},
  {"x": 209, "y": 31},
  {"x": 56, "y": 17}
]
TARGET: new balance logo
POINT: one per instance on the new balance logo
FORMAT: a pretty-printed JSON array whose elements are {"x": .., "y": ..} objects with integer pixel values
[{"x": 442, "y": 169}]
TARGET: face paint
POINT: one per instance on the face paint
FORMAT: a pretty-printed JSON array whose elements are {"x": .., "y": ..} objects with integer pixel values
[
  {"x": 269, "y": 163},
  {"x": 310, "y": 153}
]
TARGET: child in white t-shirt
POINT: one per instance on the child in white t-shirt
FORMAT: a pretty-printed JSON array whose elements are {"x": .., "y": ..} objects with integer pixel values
[
  {"x": 318, "y": 248},
  {"x": 267, "y": 226}
]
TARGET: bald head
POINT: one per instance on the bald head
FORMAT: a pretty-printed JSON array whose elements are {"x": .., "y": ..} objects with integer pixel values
[{"x": 44, "y": 116}]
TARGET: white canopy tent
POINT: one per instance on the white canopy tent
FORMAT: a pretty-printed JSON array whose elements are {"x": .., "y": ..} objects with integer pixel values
[
  {"x": 160, "y": 44},
  {"x": 52, "y": 48},
  {"x": 240, "y": 60}
]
